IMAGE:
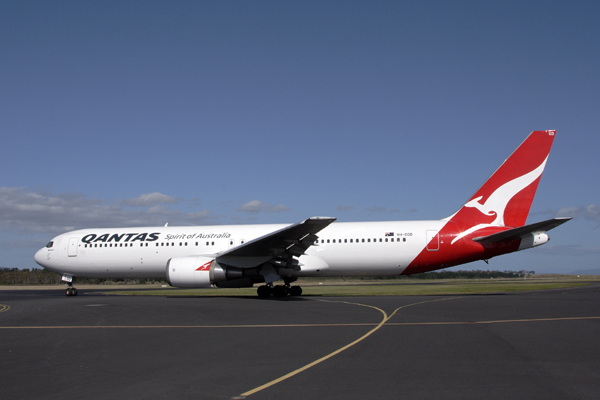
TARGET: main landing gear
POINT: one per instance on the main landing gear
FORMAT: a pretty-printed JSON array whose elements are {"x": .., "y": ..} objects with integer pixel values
[{"x": 279, "y": 290}]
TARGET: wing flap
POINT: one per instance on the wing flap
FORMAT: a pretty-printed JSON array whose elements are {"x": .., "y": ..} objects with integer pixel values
[{"x": 516, "y": 233}]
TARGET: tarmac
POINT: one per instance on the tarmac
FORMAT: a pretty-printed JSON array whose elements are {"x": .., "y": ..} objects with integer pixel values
[{"x": 534, "y": 345}]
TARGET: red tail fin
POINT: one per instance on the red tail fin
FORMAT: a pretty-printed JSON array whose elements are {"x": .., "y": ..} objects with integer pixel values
[{"x": 506, "y": 197}]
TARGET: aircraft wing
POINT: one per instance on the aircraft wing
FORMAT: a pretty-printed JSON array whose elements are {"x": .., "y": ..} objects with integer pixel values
[
  {"x": 515, "y": 233},
  {"x": 278, "y": 247}
]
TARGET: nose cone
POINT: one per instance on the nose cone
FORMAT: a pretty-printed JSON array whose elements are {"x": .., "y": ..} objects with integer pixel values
[{"x": 41, "y": 256}]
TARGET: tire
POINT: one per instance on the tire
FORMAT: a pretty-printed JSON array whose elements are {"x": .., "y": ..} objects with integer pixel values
[
  {"x": 295, "y": 291},
  {"x": 280, "y": 291},
  {"x": 263, "y": 291}
]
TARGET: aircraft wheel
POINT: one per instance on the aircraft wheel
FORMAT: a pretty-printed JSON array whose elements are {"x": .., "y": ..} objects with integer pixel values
[
  {"x": 280, "y": 291},
  {"x": 263, "y": 291},
  {"x": 74, "y": 292},
  {"x": 295, "y": 291},
  {"x": 69, "y": 292}
]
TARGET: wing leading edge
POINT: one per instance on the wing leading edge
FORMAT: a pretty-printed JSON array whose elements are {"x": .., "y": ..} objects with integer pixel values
[{"x": 277, "y": 247}]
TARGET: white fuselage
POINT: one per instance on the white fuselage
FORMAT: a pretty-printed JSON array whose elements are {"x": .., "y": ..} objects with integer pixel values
[{"x": 343, "y": 249}]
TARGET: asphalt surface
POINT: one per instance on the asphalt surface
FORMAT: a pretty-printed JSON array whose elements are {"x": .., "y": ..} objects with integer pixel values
[{"x": 534, "y": 345}]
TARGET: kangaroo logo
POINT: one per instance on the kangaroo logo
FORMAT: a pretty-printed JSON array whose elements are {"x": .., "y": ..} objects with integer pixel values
[
  {"x": 204, "y": 267},
  {"x": 497, "y": 202}
]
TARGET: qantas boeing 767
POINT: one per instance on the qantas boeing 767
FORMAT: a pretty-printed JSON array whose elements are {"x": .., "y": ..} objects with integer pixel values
[{"x": 490, "y": 223}]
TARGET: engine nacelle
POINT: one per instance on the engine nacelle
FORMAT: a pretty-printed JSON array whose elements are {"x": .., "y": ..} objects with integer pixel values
[
  {"x": 200, "y": 271},
  {"x": 190, "y": 272}
]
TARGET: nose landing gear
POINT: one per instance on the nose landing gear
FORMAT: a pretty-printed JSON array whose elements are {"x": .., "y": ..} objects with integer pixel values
[{"x": 70, "y": 291}]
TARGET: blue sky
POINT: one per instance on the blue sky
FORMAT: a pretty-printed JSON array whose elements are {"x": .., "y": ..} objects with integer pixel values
[{"x": 142, "y": 113}]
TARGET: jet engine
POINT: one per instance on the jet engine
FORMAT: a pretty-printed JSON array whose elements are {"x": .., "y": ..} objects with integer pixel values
[{"x": 201, "y": 271}]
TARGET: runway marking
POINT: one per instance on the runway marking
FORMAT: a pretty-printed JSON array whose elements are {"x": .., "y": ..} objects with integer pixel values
[
  {"x": 179, "y": 326},
  {"x": 338, "y": 351},
  {"x": 290, "y": 325},
  {"x": 4, "y": 307},
  {"x": 490, "y": 322}
]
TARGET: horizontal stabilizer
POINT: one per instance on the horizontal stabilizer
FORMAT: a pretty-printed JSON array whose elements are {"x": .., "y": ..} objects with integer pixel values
[{"x": 516, "y": 233}]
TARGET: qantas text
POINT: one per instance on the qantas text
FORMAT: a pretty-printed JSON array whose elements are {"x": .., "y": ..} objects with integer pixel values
[{"x": 123, "y": 237}]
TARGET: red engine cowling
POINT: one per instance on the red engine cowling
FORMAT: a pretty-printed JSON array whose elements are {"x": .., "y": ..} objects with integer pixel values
[{"x": 190, "y": 272}]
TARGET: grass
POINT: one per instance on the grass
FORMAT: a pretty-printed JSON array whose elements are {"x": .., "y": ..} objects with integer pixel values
[{"x": 385, "y": 288}]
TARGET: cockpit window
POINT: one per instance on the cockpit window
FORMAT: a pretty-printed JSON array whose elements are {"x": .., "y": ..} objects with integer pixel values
[{"x": 49, "y": 245}]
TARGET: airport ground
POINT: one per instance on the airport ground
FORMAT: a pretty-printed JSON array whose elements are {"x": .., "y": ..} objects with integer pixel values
[{"x": 528, "y": 344}]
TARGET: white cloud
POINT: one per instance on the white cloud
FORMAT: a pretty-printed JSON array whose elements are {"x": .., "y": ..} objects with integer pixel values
[
  {"x": 590, "y": 212},
  {"x": 19, "y": 244},
  {"x": 256, "y": 206},
  {"x": 377, "y": 209},
  {"x": 151, "y": 199},
  {"x": 40, "y": 212}
]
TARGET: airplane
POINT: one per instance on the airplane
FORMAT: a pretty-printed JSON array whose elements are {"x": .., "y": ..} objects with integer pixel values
[{"x": 489, "y": 224}]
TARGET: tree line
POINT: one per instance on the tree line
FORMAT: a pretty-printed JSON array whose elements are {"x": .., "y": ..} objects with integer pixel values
[
  {"x": 35, "y": 276},
  {"x": 15, "y": 276},
  {"x": 477, "y": 274}
]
